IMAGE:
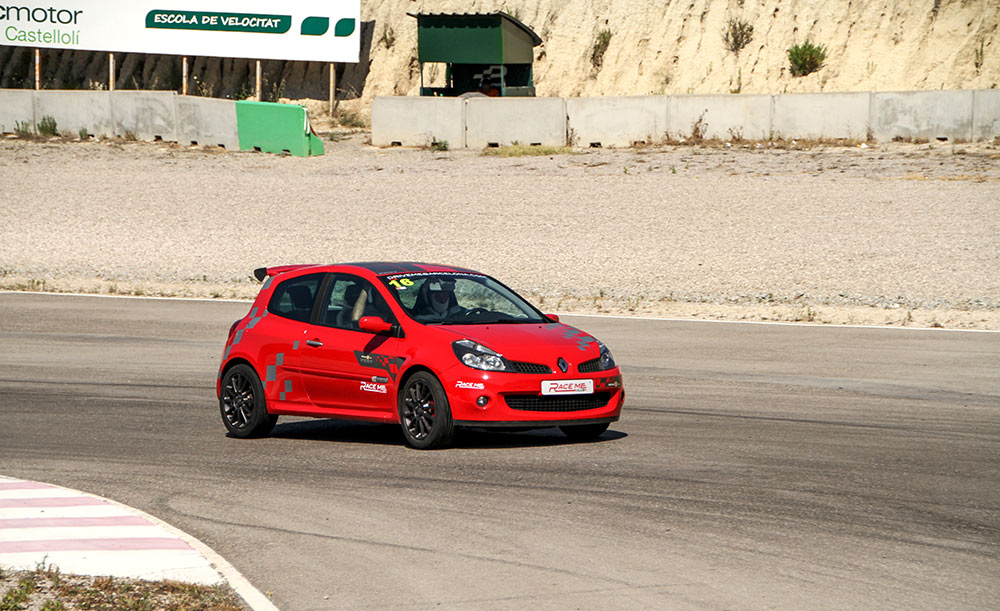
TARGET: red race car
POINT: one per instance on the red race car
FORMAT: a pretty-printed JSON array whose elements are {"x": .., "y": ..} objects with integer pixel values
[{"x": 428, "y": 346}]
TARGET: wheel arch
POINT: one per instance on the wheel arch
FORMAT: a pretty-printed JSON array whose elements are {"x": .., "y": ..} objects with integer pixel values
[
  {"x": 233, "y": 362},
  {"x": 408, "y": 373}
]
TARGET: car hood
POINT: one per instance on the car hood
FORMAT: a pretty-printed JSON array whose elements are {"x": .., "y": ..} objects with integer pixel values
[{"x": 532, "y": 342}]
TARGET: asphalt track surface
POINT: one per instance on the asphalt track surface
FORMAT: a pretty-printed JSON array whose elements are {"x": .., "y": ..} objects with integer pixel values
[{"x": 755, "y": 466}]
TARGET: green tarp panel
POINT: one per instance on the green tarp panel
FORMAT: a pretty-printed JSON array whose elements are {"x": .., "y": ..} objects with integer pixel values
[{"x": 276, "y": 128}]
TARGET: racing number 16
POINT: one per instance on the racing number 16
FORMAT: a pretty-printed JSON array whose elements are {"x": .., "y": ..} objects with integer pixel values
[{"x": 401, "y": 283}]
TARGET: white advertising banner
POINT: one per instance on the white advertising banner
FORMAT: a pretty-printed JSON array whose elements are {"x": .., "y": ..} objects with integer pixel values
[{"x": 307, "y": 30}]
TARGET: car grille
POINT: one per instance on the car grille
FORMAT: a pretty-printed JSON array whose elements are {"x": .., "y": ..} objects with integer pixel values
[
  {"x": 590, "y": 366},
  {"x": 542, "y": 403},
  {"x": 522, "y": 367}
]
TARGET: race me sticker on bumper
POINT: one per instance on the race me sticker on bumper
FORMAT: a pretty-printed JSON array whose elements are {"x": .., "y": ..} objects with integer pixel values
[{"x": 567, "y": 387}]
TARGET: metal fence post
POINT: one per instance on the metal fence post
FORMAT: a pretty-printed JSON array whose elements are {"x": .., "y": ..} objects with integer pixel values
[
  {"x": 333, "y": 87},
  {"x": 258, "y": 81}
]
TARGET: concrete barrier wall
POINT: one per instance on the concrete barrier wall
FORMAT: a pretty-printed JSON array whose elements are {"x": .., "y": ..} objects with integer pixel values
[
  {"x": 617, "y": 121},
  {"x": 418, "y": 121},
  {"x": 148, "y": 115},
  {"x": 76, "y": 110},
  {"x": 726, "y": 117},
  {"x": 16, "y": 105},
  {"x": 481, "y": 122},
  {"x": 821, "y": 115},
  {"x": 623, "y": 121},
  {"x": 503, "y": 121},
  {"x": 922, "y": 115},
  {"x": 207, "y": 121},
  {"x": 985, "y": 114}
]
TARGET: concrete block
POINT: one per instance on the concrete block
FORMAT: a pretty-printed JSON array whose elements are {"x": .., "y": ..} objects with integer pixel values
[
  {"x": 76, "y": 110},
  {"x": 617, "y": 121},
  {"x": 16, "y": 105},
  {"x": 149, "y": 115},
  {"x": 922, "y": 114},
  {"x": 821, "y": 115},
  {"x": 725, "y": 117},
  {"x": 207, "y": 121},
  {"x": 985, "y": 114},
  {"x": 503, "y": 121},
  {"x": 418, "y": 121}
]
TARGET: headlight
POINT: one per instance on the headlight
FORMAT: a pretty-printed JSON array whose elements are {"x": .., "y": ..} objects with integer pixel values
[
  {"x": 607, "y": 361},
  {"x": 478, "y": 356}
]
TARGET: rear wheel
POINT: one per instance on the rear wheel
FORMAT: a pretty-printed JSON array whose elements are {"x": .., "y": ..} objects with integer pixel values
[
  {"x": 424, "y": 413},
  {"x": 242, "y": 404},
  {"x": 584, "y": 432}
]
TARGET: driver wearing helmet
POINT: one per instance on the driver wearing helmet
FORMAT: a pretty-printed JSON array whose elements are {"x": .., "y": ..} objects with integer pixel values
[{"x": 436, "y": 301}]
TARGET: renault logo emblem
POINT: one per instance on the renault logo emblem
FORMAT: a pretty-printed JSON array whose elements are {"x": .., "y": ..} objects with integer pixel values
[{"x": 563, "y": 365}]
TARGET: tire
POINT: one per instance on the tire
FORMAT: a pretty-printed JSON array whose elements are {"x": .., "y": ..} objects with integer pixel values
[
  {"x": 584, "y": 432},
  {"x": 424, "y": 413},
  {"x": 242, "y": 404}
]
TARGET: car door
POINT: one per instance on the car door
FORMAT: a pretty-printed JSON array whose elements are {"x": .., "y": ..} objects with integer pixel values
[{"x": 347, "y": 371}]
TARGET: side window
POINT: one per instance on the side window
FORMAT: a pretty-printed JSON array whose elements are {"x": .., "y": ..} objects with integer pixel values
[
  {"x": 294, "y": 298},
  {"x": 349, "y": 298}
]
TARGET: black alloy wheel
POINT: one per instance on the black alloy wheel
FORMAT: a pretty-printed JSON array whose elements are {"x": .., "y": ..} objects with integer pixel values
[
  {"x": 244, "y": 410},
  {"x": 424, "y": 413}
]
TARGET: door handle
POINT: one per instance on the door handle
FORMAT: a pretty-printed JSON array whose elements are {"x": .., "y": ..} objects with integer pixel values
[{"x": 315, "y": 343}]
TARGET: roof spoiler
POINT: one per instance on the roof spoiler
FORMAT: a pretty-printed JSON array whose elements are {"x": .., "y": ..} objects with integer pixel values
[{"x": 263, "y": 272}]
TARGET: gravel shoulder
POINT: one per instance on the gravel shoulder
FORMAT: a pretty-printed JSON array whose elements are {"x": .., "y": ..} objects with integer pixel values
[{"x": 898, "y": 234}]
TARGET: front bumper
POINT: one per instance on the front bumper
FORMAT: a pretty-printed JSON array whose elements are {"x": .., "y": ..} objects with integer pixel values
[{"x": 514, "y": 399}]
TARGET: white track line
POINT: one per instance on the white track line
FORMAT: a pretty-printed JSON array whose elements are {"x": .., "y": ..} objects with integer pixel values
[
  {"x": 782, "y": 324},
  {"x": 147, "y": 297}
]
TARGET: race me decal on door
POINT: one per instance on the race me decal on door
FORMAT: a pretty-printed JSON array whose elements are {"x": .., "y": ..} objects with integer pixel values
[{"x": 373, "y": 387}]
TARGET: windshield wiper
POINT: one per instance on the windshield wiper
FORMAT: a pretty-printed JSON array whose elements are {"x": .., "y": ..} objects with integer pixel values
[
  {"x": 500, "y": 321},
  {"x": 513, "y": 321}
]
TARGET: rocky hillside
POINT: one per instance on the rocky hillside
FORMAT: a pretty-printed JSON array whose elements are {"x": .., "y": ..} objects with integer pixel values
[{"x": 668, "y": 46}]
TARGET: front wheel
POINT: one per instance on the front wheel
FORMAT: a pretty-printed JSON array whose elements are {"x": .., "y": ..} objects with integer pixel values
[
  {"x": 584, "y": 432},
  {"x": 424, "y": 413},
  {"x": 244, "y": 410}
]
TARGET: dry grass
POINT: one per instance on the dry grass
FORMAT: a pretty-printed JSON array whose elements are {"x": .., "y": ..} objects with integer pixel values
[
  {"x": 522, "y": 150},
  {"x": 951, "y": 178},
  {"x": 736, "y": 141},
  {"x": 47, "y": 589}
]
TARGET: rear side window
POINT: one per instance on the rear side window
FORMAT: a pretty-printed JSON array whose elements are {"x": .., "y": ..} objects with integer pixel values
[{"x": 294, "y": 298}]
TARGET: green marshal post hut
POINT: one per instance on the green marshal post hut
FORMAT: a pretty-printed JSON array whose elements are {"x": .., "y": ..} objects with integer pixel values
[{"x": 490, "y": 53}]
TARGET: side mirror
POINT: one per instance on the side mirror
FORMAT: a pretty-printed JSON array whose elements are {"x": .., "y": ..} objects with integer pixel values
[
  {"x": 552, "y": 317},
  {"x": 374, "y": 324}
]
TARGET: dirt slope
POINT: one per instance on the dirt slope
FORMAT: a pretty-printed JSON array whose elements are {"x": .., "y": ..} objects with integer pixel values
[{"x": 677, "y": 46}]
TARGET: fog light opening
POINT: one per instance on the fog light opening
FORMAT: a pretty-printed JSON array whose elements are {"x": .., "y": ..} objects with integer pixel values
[{"x": 482, "y": 401}]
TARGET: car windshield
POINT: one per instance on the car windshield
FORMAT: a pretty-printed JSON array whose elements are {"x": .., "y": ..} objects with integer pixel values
[{"x": 453, "y": 298}]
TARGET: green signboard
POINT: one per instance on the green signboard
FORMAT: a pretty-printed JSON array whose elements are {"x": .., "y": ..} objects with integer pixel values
[{"x": 308, "y": 30}]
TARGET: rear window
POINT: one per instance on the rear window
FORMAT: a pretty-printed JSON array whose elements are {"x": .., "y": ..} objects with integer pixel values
[{"x": 294, "y": 297}]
